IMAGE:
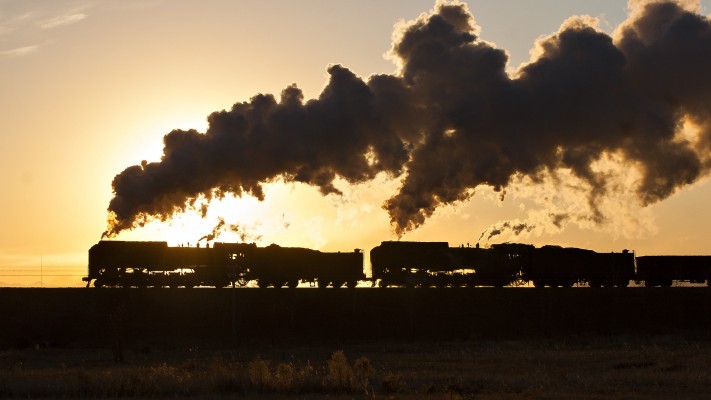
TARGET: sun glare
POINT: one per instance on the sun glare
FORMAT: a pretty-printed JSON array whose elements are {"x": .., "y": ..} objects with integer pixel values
[
  {"x": 292, "y": 215},
  {"x": 230, "y": 219}
]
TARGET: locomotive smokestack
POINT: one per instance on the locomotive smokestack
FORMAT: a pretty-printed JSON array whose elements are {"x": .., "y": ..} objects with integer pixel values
[{"x": 452, "y": 119}]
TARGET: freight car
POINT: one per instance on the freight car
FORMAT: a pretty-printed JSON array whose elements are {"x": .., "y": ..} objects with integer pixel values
[
  {"x": 565, "y": 266},
  {"x": 663, "y": 270},
  {"x": 155, "y": 264}
]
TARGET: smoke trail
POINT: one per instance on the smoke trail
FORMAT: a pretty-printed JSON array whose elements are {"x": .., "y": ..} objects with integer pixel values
[
  {"x": 222, "y": 227},
  {"x": 215, "y": 231},
  {"x": 515, "y": 228},
  {"x": 452, "y": 120},
  {"x": 481, "y": 236}
]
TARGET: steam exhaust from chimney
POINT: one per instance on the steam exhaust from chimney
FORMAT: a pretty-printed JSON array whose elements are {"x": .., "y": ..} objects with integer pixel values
[{"x": 452, "y": 120}]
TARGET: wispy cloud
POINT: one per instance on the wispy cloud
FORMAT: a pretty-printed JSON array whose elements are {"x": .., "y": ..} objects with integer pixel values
[
  {"x": 31, "y": 26},
  {"x": 62, "y": 20},
  {"x": 8, "y": 25},
  {"x": 20, "y": 51}
]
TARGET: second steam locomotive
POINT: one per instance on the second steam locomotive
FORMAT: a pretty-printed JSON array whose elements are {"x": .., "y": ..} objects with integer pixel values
[{"x": 393, "y": 263}]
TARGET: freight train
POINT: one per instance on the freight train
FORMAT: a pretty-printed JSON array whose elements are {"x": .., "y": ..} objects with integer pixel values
[{"x": 393, "y": 263}]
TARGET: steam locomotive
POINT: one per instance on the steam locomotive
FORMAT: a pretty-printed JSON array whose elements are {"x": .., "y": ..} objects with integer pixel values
[
  {"x": 155, "y": 264},
  {"x": 393, "y": 263},
  {"x": 435, "y": 263}
]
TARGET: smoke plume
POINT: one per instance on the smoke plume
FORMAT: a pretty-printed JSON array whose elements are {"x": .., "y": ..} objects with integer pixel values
[{"x": 452, "y": 119}]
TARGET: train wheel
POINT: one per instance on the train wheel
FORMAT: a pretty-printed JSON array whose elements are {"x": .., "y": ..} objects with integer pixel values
[
  {"x": 322, "y": 283},
  {"x": 293, "y": 283},
  {"x": 351, "y": 284},
  {"x": 262, "y": 283},
  {"x": 99, "y": 283},
  {"x": 538, "y": 283}
]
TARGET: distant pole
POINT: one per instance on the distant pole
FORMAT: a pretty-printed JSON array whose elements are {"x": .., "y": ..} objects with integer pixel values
[{"x": 234, "y": 316}]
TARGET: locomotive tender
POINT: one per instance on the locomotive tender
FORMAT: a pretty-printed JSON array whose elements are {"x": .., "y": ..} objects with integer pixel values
[{"x": 393, "y": 263}]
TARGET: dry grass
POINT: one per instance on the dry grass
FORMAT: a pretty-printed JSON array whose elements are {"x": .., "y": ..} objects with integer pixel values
[{"x": 661, "y": 367}]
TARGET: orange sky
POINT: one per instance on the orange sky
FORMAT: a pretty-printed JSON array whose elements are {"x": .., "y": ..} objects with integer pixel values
[{"x": 89, "y": 88}]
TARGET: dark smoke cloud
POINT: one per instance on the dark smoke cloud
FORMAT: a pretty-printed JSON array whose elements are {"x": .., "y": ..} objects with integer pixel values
[
  {"x": 559, "y": 219},
  {"x": 452, "y": 120}
]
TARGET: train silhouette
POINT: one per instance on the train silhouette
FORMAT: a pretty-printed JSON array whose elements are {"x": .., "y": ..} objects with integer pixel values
[{"x": 393, "y": 263}]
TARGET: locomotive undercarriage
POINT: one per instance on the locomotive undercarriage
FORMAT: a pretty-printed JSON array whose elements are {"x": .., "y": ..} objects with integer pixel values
[
  {"x": 667, "y": 282},
  {"x": 143, "y": 278},
  {"x": 423, "y": 278},
  {"x": 567, "y": 283},
  {"x": 294, "y": 282},
  {"x": 189, "y": 278}
]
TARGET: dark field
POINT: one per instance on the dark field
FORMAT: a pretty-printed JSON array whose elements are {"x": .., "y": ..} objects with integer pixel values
[
  {"x": 471, "y": 343},
  {"x": 87, "y": 317}
]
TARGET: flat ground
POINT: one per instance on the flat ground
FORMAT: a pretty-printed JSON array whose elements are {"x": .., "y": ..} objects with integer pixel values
[
  {"x": 98, "y": 317},
  {"x": 620, "y": 367},
  {"x": 634, "y": 343}
]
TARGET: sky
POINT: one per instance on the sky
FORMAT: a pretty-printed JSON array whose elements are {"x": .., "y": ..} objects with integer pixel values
[{"x": 90, "y": 88}]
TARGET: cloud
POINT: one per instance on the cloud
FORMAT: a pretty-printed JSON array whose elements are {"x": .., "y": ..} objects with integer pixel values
[
  {"x": 9, "y": 25},
  {"x": 63, "y": 20},
  {"x": 20, "y": 51},
  {"x": 20, "y": 27}
]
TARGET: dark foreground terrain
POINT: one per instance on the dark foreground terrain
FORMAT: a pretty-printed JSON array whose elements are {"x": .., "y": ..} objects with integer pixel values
[
  {"x": 619, "y": 367},
  {"x": 482, "y": 343},
  {"x": 91, "y": 317}
]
